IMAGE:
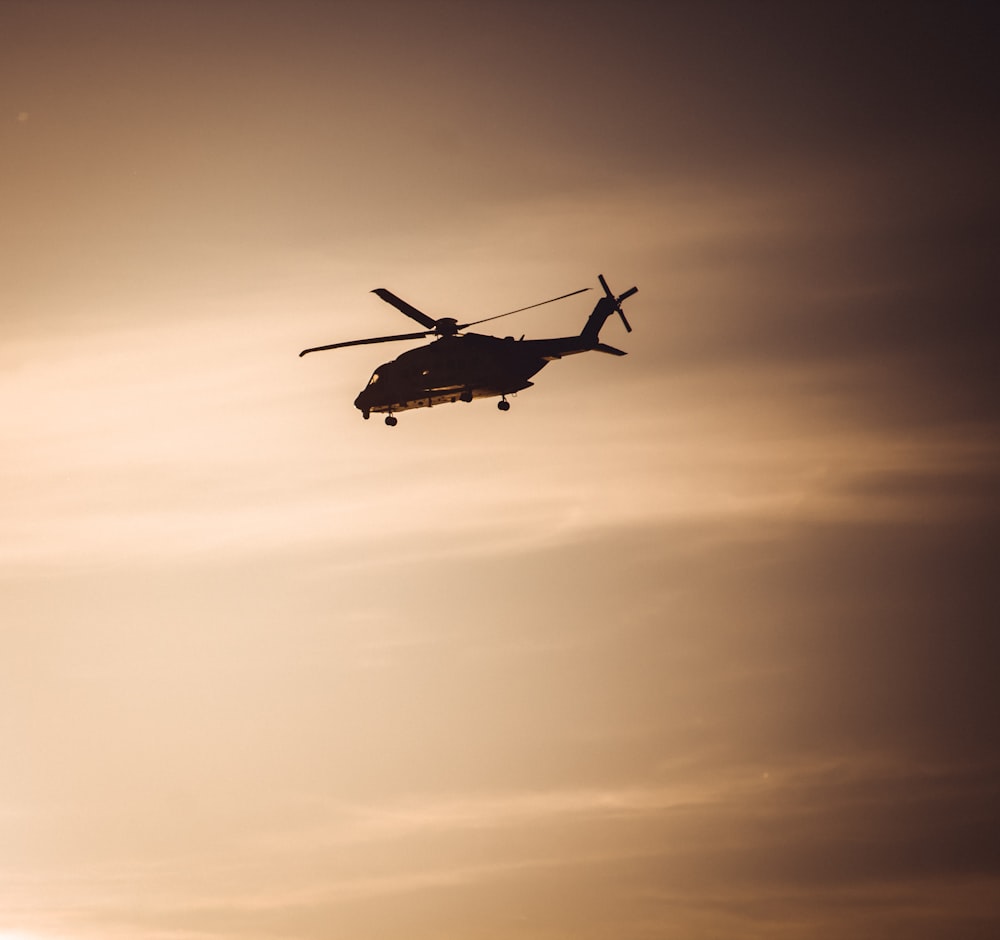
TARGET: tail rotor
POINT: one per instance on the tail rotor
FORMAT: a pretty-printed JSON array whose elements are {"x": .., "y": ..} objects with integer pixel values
[{"x": 617, "y": 301}]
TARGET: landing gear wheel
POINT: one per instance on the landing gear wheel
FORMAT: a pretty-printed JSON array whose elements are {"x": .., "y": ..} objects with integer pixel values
[
  {"x": 503, "y": 404},
  {"x": 391, "y": 420},
  {"x": 366, "y": 415},
  {"x": 465, "y": 396}
]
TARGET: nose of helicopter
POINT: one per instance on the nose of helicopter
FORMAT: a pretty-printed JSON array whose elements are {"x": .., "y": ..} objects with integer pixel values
[
  {"x": 362, "y": 405},
  {"x": 367, "y": 401}
]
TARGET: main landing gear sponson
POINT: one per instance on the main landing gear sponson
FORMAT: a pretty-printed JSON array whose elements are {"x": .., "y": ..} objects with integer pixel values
[{"x": 392, "y": 420}]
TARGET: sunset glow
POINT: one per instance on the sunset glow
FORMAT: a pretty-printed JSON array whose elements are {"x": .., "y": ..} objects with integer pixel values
[{"x": 696, "y": 642}]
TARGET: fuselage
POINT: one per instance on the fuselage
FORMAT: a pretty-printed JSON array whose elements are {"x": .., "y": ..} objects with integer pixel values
[{"x": 450, "y": 369}]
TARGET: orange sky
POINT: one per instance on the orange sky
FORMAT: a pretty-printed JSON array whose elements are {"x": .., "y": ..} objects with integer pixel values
[{"x": 694, "y": 643}]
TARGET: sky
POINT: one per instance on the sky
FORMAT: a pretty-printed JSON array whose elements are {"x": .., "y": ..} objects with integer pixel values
[{"x": 695, "y": 643}]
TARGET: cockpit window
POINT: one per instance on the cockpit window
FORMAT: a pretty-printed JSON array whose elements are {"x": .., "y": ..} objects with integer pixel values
[{"x": 373, "y": 379}]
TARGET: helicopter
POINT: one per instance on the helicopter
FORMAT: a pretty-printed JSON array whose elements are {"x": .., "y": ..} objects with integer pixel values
[{"x": 458, "y": 366}]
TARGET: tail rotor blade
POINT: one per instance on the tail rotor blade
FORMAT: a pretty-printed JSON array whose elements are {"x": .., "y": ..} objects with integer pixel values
[{"x": 617, "y": 301}]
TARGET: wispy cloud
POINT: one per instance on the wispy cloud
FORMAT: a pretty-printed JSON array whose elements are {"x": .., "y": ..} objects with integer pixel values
[{"x": 181, "y": 456}]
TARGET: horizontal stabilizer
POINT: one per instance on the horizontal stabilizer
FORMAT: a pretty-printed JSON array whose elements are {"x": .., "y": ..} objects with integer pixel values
[{"x": 605, "y": 348}]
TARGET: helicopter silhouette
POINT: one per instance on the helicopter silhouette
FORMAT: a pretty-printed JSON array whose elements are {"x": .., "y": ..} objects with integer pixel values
[{"x": 460, "y": 366}]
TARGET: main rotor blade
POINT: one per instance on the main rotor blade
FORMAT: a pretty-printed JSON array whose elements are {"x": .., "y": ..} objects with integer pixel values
[
  {"x": 403, "y": 307},
  {"x": 366, "y": 342},
  {"x": 529, "y": 307}
]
